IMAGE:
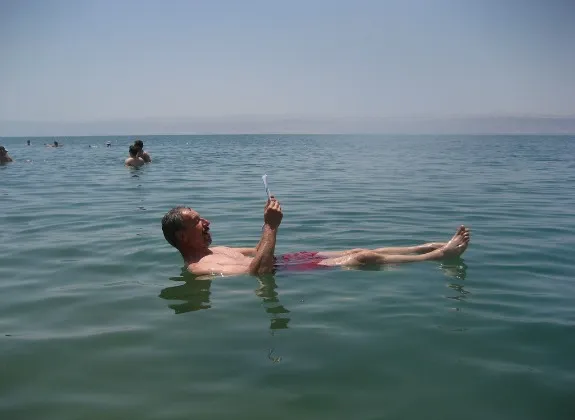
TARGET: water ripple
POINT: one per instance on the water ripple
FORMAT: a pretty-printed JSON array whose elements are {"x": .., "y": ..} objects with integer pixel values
[{"x": 91, "y": 289}]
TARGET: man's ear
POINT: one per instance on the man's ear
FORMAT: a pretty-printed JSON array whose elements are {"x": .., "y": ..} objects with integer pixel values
[{"x": 181, "y": 237}]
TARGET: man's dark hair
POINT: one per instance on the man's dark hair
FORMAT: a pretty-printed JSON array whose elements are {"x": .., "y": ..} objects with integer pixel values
[
  {"x": 172, "y": 222},
  {"x": 139, "y": 144},
  {"x": 2, "y": 149},
  {"x": 133, "y": 151}
]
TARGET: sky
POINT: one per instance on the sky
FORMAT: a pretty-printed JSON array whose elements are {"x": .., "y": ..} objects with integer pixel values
[{"x": 96, "y": 65}]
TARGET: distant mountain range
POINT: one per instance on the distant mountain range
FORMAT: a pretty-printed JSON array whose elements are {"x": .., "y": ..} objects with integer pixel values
[{"x": 297, "y": 125}]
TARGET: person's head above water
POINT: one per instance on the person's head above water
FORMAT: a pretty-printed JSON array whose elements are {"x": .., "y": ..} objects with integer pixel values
[
  {"x": 133, "y": 150},
  {"x": 4, "y": 155},
  {"x": 186, "y": 230},
  {"x": 139, "y": 144}
]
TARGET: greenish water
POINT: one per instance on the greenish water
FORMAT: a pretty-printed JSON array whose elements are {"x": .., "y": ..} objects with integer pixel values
[{"x": 97, "y": 320}]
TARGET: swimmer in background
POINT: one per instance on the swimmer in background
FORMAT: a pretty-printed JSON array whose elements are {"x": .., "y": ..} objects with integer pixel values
[
  {"x": 27, "y": 142},
  {"x": 4, "y": 158},
  {"x": 134, "y": 160},
  {"x": 189, "y": 233},
  {"x": 56, "y": 144},
  {"x": 142, "y": 153}
]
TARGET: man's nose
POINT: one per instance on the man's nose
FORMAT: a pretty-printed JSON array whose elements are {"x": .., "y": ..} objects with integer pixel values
[{"x": 205, "y": 222}]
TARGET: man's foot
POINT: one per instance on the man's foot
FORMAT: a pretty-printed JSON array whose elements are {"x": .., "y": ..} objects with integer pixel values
[{"x": 458, "y": 244}]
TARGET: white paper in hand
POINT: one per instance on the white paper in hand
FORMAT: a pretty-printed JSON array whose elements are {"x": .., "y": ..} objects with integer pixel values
[{"x": 265, "y": 180}]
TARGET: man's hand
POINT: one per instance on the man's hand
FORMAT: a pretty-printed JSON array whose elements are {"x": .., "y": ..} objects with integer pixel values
[{"x": 273, "y": 213}]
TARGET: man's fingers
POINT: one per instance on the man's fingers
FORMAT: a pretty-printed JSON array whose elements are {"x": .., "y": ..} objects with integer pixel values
[{"x": 272, "y": 203}]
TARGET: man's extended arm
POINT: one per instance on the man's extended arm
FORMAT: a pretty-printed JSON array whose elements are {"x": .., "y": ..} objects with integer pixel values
[{"x": 263, "y": 261}]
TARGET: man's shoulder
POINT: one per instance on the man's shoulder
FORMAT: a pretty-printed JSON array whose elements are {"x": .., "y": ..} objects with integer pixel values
[{"x": 213, "y": 257}]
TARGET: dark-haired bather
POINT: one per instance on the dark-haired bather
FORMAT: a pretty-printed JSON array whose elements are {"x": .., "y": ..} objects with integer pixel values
[{"x": 189, "y": 233}]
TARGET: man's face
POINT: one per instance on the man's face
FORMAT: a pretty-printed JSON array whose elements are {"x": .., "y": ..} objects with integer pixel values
[
  {"x": 196, "y": 231},
  {"x": 3, "y": 151}
]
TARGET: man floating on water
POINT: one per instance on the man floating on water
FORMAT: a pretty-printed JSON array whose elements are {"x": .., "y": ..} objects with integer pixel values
[{"x": 189, "y": 233}]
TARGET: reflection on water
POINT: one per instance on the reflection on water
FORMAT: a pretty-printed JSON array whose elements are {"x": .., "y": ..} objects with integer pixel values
[
  {"x": 195, "y": 295},
  {"x": 455, "y": 269},
  {"x": 270, "y": 298},
  {"x": 273, "y": 357},
  {"x": 458, "y": 272},
  {"x": 195, "y": 292}
]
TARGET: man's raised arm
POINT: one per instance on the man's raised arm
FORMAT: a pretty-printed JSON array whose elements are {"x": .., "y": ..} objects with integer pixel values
[{"x": 263, "y": 262}]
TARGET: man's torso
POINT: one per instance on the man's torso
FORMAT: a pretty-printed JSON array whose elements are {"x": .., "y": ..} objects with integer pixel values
[
  {"x": 225, "y": 257},
  {"x": 134, "y": 162}
]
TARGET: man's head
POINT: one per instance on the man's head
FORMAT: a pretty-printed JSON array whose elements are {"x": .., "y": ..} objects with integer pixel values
[
  {"x": 139, "y": 144},
  {"x": 3, "y": 151},
  {"x": 55, "y": 143},
  {"x": 185, "y": 230},
  {"x": 133, "y": 150}
]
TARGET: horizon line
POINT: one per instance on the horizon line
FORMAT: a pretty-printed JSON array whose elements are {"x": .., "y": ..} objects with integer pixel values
[
  {"x": 294, "y": 125},
  {"x": 294, "y": 134},
  {"x": 310, "y": 118}
]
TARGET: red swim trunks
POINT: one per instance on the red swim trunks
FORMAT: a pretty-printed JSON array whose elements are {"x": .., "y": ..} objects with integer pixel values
[{"x": 299, "y": 261}]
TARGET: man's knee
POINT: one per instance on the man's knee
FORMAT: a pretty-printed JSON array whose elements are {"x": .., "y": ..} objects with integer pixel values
[{"x": 369, "y": 257}]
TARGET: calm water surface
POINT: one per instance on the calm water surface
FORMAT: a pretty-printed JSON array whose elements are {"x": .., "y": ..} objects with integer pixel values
[{"x": 97, "y": 320}]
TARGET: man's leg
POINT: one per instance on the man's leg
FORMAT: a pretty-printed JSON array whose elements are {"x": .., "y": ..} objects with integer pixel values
[
  {"x": 455, "y": 247},
  {"x": 401, "y": 250},
  {"x": 417, "y": 249}
]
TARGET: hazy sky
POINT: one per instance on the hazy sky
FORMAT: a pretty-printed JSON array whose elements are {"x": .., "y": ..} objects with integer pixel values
[{"x": 99, "y": 60}]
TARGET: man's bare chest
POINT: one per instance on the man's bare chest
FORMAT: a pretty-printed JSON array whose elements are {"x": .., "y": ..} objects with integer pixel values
[{"x": 227, "y": 256}]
